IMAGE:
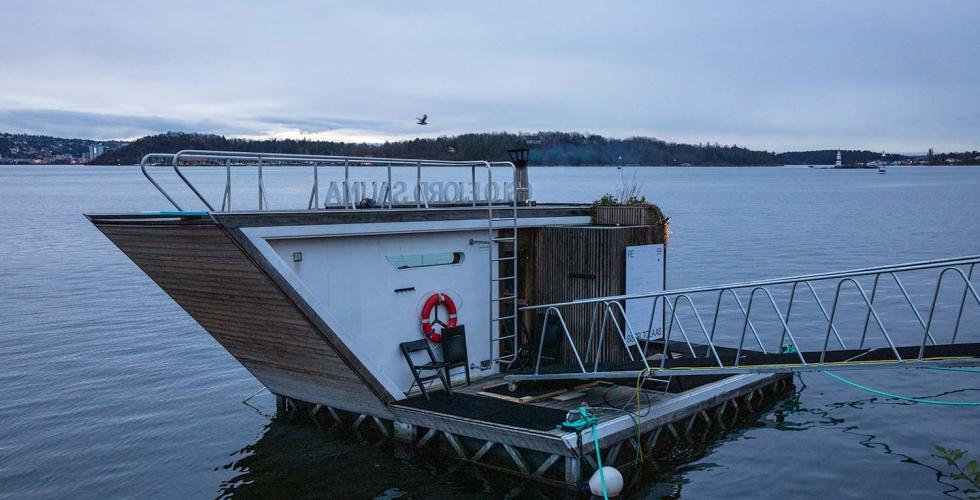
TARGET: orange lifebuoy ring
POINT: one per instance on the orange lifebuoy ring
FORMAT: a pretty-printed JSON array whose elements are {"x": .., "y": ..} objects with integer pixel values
[{"x": 432, "y": 304}]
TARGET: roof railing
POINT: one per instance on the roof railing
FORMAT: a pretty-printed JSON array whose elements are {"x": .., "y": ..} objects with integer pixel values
[{"x": 238, "y": 159}]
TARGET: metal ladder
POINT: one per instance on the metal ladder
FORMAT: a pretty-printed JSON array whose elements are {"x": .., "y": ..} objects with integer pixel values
[{"x": 503, "y": 289}]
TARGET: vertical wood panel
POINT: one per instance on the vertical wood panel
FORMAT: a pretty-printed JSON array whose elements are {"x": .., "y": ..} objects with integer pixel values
[{"x": 579, "y": 262}]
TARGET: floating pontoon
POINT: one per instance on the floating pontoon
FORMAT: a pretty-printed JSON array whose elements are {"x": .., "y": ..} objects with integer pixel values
[{"x": 324, "y": 294}]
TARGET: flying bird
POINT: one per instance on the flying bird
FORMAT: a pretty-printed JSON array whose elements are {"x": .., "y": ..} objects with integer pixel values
[{"x": 423, "y": 120}]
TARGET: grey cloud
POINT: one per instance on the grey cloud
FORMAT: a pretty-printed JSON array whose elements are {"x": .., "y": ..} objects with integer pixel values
[
  {"x": 105, "y": 126},
  {"x": 882, "y": 74},
  {"x": 311, "y": 125}
]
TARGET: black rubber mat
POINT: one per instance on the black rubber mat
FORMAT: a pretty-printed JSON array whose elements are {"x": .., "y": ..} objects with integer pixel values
[{"x": 487, "y": 409}]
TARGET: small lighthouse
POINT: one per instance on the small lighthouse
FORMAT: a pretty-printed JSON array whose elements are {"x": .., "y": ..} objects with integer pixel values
[{"x": 837, "y": 164}]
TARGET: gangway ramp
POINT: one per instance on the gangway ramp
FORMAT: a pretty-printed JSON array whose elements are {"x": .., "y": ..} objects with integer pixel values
[{"x": 925, "y": 290}]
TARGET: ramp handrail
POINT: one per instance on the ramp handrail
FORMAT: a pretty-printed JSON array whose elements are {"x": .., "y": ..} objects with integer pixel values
[
  {"x": 667, "y": 302},
  {"x": 232, "y": 159}
]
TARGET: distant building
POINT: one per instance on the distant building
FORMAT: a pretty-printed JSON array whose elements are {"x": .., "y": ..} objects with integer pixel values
[
  {"x": 838, "y": 162},
  {"x": 95, "y": 151}
]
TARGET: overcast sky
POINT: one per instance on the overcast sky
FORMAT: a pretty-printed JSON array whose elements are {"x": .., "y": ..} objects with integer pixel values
[{"x": 897, "y": 75}]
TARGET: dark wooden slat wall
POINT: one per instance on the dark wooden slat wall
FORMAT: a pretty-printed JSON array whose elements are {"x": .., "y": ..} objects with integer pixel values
[
  {"x": 210, "y": 277},
  {"x": 580, "y": 262}
]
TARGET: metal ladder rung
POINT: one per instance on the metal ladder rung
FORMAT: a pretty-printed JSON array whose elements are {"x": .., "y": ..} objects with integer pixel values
[
  {"x": 499, "y": 259},
  {"x": 504, "y": 317},
  {"x": 508, "y": 357},
  {"x": 504, "y": 299},
  {"x": 502, "y": 219},
  {"x": 510, "y": 238},
  {"x": 505, "y": 278},
  {"x": 505, "y": 337}
]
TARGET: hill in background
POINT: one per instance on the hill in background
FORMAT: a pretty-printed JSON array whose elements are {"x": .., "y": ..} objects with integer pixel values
[{"x": 548, "y": 148}]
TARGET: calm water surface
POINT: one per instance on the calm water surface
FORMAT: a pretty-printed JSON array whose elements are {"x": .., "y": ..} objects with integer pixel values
[{"x": 108, "y": 389}]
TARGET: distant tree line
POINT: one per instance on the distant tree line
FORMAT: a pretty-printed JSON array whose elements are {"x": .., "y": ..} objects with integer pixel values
[{"x": 548, "y": 148}]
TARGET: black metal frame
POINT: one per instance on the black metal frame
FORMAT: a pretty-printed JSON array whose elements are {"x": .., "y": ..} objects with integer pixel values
[
  {"x": 439, "y": 367},
  {"x": 453, "y": 356}
]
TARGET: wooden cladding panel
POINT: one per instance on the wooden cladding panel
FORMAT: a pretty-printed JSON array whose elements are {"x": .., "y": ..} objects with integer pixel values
[
  {"x": 580, "y": 262},
  {"x": 210, "y": 277}
]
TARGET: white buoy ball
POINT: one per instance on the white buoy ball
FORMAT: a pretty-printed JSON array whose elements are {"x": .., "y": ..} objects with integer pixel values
[{"x": 614, "y": 482}]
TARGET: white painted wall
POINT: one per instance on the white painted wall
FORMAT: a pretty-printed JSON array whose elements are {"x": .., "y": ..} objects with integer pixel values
[{"x": 352, "y": 285}]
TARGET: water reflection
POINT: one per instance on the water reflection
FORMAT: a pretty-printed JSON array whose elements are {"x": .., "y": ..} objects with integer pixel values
[
  {"x": 292, "y": 459},
  {"x": 790, "y": 414}
]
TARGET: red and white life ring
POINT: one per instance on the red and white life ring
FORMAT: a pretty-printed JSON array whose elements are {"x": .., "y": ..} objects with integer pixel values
[{"x": 428, "y": 323}]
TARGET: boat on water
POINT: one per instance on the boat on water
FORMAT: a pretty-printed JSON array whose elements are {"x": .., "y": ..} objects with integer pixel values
[{"x": 533, "y": 338}]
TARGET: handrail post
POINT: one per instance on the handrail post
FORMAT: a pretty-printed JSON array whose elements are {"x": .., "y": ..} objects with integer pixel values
[
  {"x": 653, "y": 314},
  {"x": 745, "y": 324},
  {"x": 789, "y": 309},
  {"x": 176, "y": 166},
  {"x": 473, "y": 184},
  {"x": 389, "y": 194},
  {"x": 915, "y": 310},
  {"x": 867, "y": 316},
  {"x": 823, "y": 310},
  {"x": 153, "y": 181},
  {"x": 418, "y": 185},
  {"x": 631, "y": 332},
  {"x": 261, "y": 189},
  {"x": 704, "y": 330},
  {"x": 775, "y": 308},
  {"x": 226, "y": 200},
  {"x": 673, "y": 316},
  {"x": 959, "y": 315},
  {"x": 601, "y": 339},
  {"x": 316, "y": 184},
  {"x": 874, "y": 314},
  {"x": 935, "y": 296},
  {"x": 347, "y": 198}
]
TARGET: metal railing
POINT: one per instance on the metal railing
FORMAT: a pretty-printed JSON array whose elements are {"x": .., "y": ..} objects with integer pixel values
[
  {"x": 237, "y": 159},
  {"x": 761, "y": 295}
]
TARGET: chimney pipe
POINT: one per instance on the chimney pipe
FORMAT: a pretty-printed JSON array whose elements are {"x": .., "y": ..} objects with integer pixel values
[{"x": 522, "y": 187}]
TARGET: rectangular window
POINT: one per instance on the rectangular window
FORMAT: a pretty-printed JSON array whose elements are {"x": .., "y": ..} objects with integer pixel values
[{"x": 425, "y": 259}]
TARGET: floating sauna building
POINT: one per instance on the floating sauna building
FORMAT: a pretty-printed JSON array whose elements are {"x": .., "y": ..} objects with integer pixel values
[{"x": 365, "y": 310}]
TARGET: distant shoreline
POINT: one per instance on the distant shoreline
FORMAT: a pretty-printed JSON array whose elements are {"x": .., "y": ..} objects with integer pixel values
[{"x": 546, "y": 148}]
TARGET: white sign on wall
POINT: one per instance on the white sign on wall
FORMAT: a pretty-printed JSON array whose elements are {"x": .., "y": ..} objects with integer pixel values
[{"x": 644, "y": 274}]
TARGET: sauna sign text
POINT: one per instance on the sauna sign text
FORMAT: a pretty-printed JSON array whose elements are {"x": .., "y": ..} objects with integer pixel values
[{"x": 644, "y": 274}]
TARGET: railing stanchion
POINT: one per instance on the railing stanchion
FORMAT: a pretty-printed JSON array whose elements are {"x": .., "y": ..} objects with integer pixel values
[
  {"x": 915, "y": 310},
  {"x": 476, "y": 190},
  {"x": 867, "y": 316},
  {"x": 959, "y": 315},
  {"x": 823, "y": 310},
  {"x": 388, "y": 194},
  {"x": 261, "y": 194}
]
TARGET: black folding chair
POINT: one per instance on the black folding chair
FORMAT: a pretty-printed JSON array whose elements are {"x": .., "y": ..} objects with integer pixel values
[
  {"x": 527, "y": 356},
  {"x": 438, "y": 369},
  {"x": 454, "y": 352},
  {"x": 551, "y": 347}
]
